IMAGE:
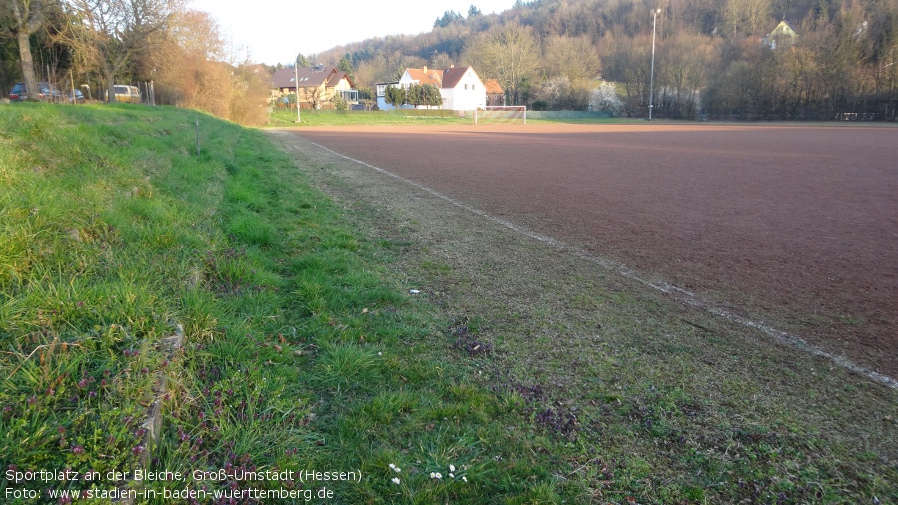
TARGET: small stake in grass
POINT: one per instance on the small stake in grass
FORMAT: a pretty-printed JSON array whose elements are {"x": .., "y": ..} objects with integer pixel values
[{"x": 197, "y": 138}]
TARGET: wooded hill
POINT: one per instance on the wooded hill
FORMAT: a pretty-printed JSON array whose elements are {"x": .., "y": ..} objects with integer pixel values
[{"x": 713, "y": 57}]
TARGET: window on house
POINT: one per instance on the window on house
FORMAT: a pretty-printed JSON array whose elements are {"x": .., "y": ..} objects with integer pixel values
[{"x": 466, "y": 87}]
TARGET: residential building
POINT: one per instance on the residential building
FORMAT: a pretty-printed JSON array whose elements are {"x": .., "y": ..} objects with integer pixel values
[
  {"x": 495, "y": 95},
  {"x": 460, "y": 87},
  {"x": 317, "y": 86},
  {"x": 781, "y": 36}
]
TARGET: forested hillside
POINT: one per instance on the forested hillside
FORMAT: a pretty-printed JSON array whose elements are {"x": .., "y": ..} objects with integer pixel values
[{"x": 713, "y": 57}]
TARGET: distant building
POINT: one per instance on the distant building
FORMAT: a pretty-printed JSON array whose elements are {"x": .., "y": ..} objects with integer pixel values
[
  {"x": 317, "y": 86},
  {"x": 781, "y": 36},
  {"x": 460, "y": 87},
  {"x": 495, "y": 95},
  {"x": 381, "y": 92}
]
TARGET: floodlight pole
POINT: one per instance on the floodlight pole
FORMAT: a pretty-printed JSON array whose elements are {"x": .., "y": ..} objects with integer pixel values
[
  {"x": 296, "y": 81},
  {"x": 655, "y": 13}
]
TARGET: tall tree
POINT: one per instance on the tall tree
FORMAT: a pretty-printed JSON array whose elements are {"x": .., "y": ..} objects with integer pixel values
[
  {"x": 28, "y": 16},
  {"x": 747, "y": 17},
  {"x": 573, "y": 57},
  {"x": 108, "y": 34},
  {"x": 303, "y": 61},
  {"x": 510, "y": 53}
]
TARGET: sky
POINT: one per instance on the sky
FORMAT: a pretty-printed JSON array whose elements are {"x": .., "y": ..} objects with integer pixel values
[{"x": 274, "y": 31}]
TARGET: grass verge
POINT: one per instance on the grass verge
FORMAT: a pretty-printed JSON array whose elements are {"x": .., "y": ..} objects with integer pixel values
[
  {"x": 308, "y": 369},
  {"x": 317, "y": 118},
  {"x": 314, "y": 118}
]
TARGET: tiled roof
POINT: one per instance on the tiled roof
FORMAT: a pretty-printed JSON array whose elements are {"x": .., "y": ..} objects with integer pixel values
[
  {"x": 308, "y": 77},
  {"x": 337, "y": 76},
  {"x": 452, "y": 76},
  {"x": 493, "y": 87},
  {"x": 426, "y": 76}
]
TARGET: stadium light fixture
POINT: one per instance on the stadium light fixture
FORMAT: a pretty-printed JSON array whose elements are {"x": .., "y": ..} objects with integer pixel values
[{"x": 655, "y": 13}]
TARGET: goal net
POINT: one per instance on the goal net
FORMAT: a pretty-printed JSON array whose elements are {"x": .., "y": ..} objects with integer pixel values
[{"x": 516, "y": 114}]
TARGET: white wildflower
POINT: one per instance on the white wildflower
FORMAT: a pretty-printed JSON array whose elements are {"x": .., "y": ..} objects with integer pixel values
[
  {"x": 451, "y": 468},
  {"x": 395, "y": 480},
  {"x": 395, "y": 468},
  {"x": 464, "y": 478}
]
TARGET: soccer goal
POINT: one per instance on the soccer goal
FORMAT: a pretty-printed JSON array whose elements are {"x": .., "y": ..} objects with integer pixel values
[{"x": 515, "y": 114}]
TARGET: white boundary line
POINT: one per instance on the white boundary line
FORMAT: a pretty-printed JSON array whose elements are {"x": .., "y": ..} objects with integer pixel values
[{"x": 621, "y": 269}]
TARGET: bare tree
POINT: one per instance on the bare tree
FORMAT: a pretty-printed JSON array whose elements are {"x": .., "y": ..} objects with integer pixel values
[
  {"x": 28, "y": 16},
  {"x": 107, "y": 34},
  {"x": 747, "y": 17},
  {"x": 510, "y": 53},
  {"x": 573, "y": 57}
]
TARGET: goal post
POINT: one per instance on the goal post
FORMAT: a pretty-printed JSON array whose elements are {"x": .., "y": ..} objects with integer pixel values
[{"x": 516, "y": 114}]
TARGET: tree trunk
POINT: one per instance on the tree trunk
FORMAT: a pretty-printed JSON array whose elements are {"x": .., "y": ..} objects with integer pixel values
[
  {"x": 27, "y": 64},
  {"x": 110, "y": 86}
]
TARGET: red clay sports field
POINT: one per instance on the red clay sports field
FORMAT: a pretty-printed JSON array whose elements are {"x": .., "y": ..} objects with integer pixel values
[{"x": 795, "y": 226}]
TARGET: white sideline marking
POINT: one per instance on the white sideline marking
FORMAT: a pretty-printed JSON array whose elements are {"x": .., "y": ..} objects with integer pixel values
[{"x": 681, "y": 294}]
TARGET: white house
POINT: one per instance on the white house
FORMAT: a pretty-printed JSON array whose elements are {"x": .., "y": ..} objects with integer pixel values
[
  {"x": 381, "y": 88},
  {"x": 460, "y": 88}
]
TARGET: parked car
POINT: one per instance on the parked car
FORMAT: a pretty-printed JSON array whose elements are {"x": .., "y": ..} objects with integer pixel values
[
  {"x": 18, "y": 92},
  {"x": 48, "y": 93},
  {"x": 74, "y": 95},
  {"x": 126, "y": 94}
]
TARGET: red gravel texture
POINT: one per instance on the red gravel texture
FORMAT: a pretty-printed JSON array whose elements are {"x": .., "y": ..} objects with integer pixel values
[{"x": 794, "y": 226}]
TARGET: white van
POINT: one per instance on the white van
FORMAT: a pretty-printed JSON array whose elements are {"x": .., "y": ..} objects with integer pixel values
[{"x": 125, "y": 94}]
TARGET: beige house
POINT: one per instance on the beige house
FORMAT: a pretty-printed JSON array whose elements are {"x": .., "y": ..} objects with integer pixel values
[
  {"x": 317, "y": 86},
  {"x": 781, "y": 36}
]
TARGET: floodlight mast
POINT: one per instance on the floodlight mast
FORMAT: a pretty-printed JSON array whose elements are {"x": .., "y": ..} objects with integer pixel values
[
  {"x": 296, "y": 81},
  {"x": 655, "y": 13}
]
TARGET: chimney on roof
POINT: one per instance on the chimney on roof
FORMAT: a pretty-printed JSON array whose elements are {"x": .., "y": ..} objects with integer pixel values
[
  {"x": 425, "y": 69},
  {"x": 451, "y": 66}
]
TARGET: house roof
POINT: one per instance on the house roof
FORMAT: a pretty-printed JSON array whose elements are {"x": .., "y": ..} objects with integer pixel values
[
  {"x": 784, "y": 28},
  {"x": 453, "y": 75},
  {"x": 308, "y": 77},
  {"x": 426, "y": 76},
  {"x": 493, "y": 87}
]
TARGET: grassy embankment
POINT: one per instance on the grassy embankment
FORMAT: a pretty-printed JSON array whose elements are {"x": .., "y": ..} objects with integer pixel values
[
  {"x": 301, "y": 350},
  {"x": 304, "y": 349}
]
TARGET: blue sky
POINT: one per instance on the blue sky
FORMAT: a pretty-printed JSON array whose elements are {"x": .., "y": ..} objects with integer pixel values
[{"x": 273, "y": 31}]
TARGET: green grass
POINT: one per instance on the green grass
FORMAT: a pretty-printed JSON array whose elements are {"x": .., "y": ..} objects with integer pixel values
[
  {"x": 313, "y": 118},
  {"x": 300, "y": 352},
  {"x": 305, "y": 351}
]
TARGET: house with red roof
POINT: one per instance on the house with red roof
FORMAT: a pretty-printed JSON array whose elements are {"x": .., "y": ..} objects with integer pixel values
[
  {"x": 460, "y": 87},
  {"x": 317, "y": 86},
  {"x": 495, "y": 95}
]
